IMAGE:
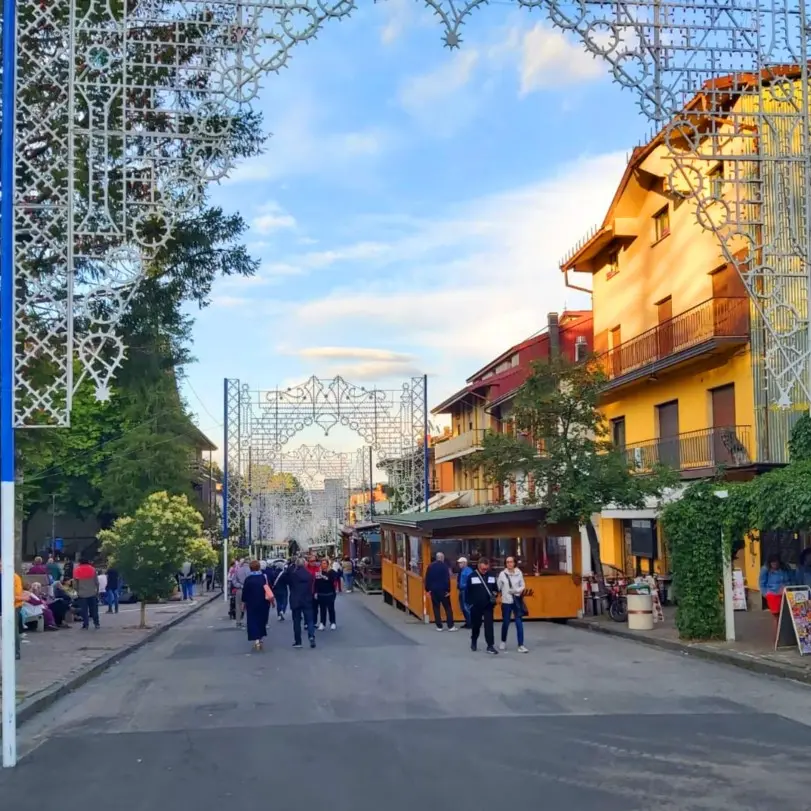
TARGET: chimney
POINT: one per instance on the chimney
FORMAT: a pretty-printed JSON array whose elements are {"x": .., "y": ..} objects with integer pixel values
[{"x": 554, "y": 335}]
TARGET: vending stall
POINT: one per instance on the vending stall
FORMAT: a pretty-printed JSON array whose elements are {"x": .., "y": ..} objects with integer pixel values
[{"x": 549, "y": 555}]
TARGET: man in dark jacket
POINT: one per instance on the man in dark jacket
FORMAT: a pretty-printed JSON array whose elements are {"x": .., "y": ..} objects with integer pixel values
[
  {"x": 112, "y": 593},
  {"x": 481, "y": 592},
  {"x": 300, "y": 583},
  {"x": 438, "y": 585}
]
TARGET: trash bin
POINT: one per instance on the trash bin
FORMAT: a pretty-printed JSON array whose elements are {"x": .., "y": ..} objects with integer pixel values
[{"x": 640, "y": 612}]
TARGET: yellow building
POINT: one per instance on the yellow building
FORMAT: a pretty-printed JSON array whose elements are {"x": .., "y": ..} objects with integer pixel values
[{"x": 681, "y": 345}]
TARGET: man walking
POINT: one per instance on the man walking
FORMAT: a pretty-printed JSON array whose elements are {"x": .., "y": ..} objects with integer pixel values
[
  {"x": 187, "y": 580},
  {"x": 482, "y": 591},
  {"x": 300, "y": 584},
  {"x": 438, "y": 586},
  {"x": 86, "y": 583},
  {"x": 241, "y": 574},
  {"x": 462, "y": 579},
  {"x": 113, "y": 587}
]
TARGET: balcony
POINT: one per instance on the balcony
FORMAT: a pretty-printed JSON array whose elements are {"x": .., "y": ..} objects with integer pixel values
[
  {"x": 714, "y": 326},
  {"x": 458, "y": 446},
  {"x": 695, "y": 452}
]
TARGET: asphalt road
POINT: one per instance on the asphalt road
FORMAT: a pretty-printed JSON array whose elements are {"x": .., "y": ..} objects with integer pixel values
[{"x": 388, "y": 714}]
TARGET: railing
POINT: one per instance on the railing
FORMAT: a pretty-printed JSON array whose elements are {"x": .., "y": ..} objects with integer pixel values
[
  {"x": 470, "y": 440},
  {"x": 714, "y": 318},
  {"x": 694, "y": 450}
]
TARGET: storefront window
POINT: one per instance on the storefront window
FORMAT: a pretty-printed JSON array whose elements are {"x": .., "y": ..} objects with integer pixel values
[
  {"x": 388, "y": 544},
  {"x": 558, "y": 554},
  {"x": 415, "y": 554},
  {"x": 400, "y": 548}
]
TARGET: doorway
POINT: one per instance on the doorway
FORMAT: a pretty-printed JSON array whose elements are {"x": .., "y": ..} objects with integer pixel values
[
  {"x": 723, "y": 424},
  {"x": 668, "y": 419}
]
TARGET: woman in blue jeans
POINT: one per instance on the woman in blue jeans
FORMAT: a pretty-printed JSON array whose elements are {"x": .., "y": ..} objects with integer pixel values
[{"x": 511, "y": 585}]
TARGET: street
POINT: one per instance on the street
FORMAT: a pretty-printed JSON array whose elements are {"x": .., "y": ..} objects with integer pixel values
[{"x": 388, "y": 713}]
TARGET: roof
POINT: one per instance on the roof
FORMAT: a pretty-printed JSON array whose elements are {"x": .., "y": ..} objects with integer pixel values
[
  {"x": 464, "y": 517},
  {"x": 199, "y": 439},
  {"x": 730, "y": 86},
  {"x": 459, "y": 395}
]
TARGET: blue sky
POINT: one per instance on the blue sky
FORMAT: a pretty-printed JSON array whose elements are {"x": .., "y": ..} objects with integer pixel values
[{"x": 413, "y": 203}]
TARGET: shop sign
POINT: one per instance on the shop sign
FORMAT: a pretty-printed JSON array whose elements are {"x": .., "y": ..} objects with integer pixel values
[{"x": 794, "y": 624}]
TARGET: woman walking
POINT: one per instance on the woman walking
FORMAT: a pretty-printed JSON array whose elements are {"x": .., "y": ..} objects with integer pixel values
[
  {"x": 256, "y": 599},
  {"x": 326, "y": 584},
  {"x": 511, "y": 585}
]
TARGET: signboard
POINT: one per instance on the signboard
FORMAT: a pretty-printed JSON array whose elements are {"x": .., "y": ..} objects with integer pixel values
[
  {"x": 794, "y": 623},
  {"x": 738, "y": 591}
]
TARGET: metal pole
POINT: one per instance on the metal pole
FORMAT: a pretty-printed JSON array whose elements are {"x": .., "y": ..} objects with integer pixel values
[
  {"x": 250, "y": 501},
  {"x": 225, "y": 461},
  {"x": 425, "y": 451},
  {"x": 225, "y": 588},
  {"x": 371, "y": 486},
  {"x": 7, "y": 450}
]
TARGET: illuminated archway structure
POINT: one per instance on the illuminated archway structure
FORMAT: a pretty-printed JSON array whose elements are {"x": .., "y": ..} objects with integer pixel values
[{"x": 260, "y": 423}]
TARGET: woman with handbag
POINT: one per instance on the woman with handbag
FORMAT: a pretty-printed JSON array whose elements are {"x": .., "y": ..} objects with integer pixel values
[
  {"x": 511, "y": 585},
  {"x": 482, "y": 596},
  {"x": 257, "y": 597}
]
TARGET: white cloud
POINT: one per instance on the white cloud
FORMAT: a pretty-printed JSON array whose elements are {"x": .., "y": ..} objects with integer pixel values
[
  {"x": 359, "y": 251},
  {"x": 272, "y": 217},
  {"x": 458, "y": 291},
  {"x": 355, "y": 353},
  {"x": 425, "y": 90},
  {"x": 376, "y": 371},
  {"x": 549, "y": 60}
]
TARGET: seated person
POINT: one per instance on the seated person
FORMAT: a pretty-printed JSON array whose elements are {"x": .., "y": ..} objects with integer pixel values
[
  {"x": 61, "y": 603},
  {"x": 36, "y": 601}
]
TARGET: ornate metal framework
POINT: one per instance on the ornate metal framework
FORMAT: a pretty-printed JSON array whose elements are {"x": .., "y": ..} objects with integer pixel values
[{"x": 259, "y": 424}]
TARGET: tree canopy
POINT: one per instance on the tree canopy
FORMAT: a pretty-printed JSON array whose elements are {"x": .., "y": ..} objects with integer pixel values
[
  {"x": 149, "y": 547},
  {"x": 561, "y": 444}
]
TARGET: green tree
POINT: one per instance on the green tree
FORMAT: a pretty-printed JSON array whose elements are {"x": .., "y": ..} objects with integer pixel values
[
  {"x": 149, "y": 547},
  {"x": 561, "y": 443},
  {"x": 201, "y": 554}
]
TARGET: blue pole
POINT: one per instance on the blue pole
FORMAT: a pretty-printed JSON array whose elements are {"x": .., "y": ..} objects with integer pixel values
[
  {"x": 9, "y": 619},
  {"x": 425, "y": 451}
]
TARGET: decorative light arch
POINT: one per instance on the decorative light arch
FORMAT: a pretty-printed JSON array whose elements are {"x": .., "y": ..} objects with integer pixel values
[{"x": 259, "y": 424}]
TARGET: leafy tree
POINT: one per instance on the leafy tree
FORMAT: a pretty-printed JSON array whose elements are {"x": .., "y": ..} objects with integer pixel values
[
  {"x": 799, "y": 443},
  {"x": 149, "y": 547},
  {"x": 561, "y": 444},
  {"x": 201, "y": 554}
]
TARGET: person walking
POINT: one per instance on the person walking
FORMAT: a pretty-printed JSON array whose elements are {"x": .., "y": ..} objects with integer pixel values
[
  {"x": 465, "y": 570},
  {"x": 86, "y": 583},
  {"x": 482, "y": 595},
  {"x": 300, "y": 584},
  {"x": 113, "y": 590},
  {"x": 256, "y": 599},
  {"x": 438, "y": 586},
  {"x": 336, "y": 567},
  {"x": 187, "y": 580},
  {"x": 326, "y": 585},
  {"x": 210, "y": 578},
  {"x": 348, "y": 569},
  {"x": 241, "y": 574},
  {"x": 511, "y": 585},
  {"x": 313, "y": 567},
  {"x": 281, "y": 591}
]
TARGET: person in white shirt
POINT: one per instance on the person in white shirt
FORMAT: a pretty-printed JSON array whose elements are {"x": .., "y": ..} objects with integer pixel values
[
  {"x": 511, "y": 585},
  {"x": 102, "y": 587}
]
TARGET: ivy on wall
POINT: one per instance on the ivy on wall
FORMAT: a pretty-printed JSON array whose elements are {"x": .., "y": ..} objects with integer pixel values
[{"x": 693, "y": 527}]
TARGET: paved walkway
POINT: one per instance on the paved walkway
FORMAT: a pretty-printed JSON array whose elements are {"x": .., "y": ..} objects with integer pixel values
[
  {"x": 753, "y": 648},
  {"x": 402, "y": 717},
  {"x": 52, "y": 657}
]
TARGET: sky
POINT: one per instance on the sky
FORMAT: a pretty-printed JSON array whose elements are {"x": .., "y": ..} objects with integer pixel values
[{"x": 412, "y": 205}]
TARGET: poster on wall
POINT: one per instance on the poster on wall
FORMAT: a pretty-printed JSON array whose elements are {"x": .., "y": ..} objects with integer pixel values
[
  {"x": 794, "y": 623},
  {"x": 738, "y": 591}
]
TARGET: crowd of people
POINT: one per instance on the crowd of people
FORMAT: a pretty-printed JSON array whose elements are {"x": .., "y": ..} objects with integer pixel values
[
  {"x": 308, "y": 587},
  {"x": 480, "y": 590}
]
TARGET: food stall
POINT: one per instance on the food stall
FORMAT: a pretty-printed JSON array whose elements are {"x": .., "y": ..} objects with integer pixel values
[
  {"x": 549, "y": 555},
  {"x": 361, "y": 543}
]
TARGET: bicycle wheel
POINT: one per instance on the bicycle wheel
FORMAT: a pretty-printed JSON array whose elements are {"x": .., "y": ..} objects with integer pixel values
[{"x": 618, "y": 610}]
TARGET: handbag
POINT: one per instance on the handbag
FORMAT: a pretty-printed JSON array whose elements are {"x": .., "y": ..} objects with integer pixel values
[{"x": 268, "y": 593}]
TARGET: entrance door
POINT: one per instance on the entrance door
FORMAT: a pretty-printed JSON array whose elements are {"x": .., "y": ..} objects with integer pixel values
[
  {"x": 723, "y": 424},
  {"x": 668, "y": 418}
]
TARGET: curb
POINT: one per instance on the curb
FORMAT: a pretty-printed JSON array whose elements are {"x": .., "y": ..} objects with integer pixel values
[
  {"x": 37, "y": 703},
  {"x": 742, "y": 661}
]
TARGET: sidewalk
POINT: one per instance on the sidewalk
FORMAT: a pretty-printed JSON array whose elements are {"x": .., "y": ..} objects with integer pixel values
[
  {"x": 55, "y": 662},
  {"x": 753, "y": 648}
]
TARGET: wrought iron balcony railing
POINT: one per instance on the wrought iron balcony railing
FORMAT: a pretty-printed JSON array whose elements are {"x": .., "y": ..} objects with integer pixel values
[
  {"x": 709, "y": 448},
  {"x": 703, "y": 328}
]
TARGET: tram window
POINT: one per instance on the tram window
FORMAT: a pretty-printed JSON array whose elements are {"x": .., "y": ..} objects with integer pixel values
[
  {"x": 415, "y": 554},
  {"x": 400, "y": 546}
]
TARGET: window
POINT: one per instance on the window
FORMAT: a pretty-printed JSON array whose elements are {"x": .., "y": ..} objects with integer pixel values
[
  {"x": 661, "y": 224},
  {"x": 716, "y": 182},
  {"x": 400, "y": 544},
  {"x": 581, "y": 349},
  {"x": 613, "y": 265},
  {"x": 415, "y": 554},
  {"x": 618, "y": 432}
]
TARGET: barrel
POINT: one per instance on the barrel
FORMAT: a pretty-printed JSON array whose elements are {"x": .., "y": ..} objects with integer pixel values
[{"x": 640, "y": 612}]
